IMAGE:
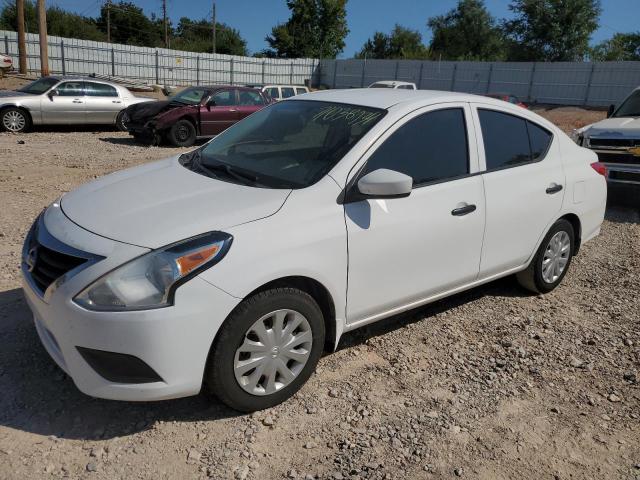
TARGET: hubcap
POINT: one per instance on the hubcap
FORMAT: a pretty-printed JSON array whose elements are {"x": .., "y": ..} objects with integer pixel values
[
  {"x": 182, "y": 133},
  {"x": 556, "y": 256},
  {"x": 14, "y": 121},
  {"x": 273, "y": 353}
]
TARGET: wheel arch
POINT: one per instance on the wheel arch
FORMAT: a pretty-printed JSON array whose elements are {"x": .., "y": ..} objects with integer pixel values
[
  {"x": 574, "y": 220},
  {"x": 318, "y": 292},
  {"x": 19, "y": 107}
]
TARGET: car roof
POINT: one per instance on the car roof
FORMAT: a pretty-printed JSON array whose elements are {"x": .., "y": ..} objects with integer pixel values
[
  {"x": 393, "y": 82},
  {"x": 387, "y": 98}
]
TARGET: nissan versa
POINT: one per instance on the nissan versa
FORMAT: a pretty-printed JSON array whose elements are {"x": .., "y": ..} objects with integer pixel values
[{"x": 234, "y": 265}]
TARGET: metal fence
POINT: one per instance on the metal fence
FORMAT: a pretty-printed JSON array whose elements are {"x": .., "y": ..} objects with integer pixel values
[
  {"x": 565, "y": 83},
  {"x": 69, "y": 56}
]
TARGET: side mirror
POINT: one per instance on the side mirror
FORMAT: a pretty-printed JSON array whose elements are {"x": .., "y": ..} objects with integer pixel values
[
  {"x": 52, "y": 93},
  {"x": 211, "y": 103},
  {"x": 384, "y": 183},
  {"x": 612, "y": 108}
]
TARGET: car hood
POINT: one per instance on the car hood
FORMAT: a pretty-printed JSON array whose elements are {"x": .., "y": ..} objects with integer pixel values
[
  {"x": 163, "y": 202},
  {"x": 145, "y": 111},
  {"x": 11, "y": 94},
  {"x": 616, "y": 127}
]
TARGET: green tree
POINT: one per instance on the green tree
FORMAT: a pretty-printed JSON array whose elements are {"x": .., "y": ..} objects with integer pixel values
[
  {"x": 551, "y": 30},
  {"x": 59, "y": 22},
  {"x": 315, "y": 29},
  {"x": 622, "y": 46},
  {"x": 467, "y": 32},
  {"x": 129, "y": 25},
  {"x": 196, "y": 36},
  {"x": 401, "y": 43}
]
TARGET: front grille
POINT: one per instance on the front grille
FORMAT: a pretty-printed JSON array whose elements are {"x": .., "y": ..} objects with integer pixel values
[
  {"x": 614, "y": 142},
  {"x": 50, "y": 265},
  {"x": 625, "y": 176},
  {"x": 627, "y": 158}
]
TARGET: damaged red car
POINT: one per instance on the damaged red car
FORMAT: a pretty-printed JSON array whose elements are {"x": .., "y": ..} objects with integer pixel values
[{"x": 195, "y": 112}]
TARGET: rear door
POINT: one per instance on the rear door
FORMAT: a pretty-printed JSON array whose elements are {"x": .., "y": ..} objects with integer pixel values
[
  {"x": 524, "y": 185},
  {"x": 220, "y": 112},
  {"x": 102, "y": 103},
  {"x": 66, "y": 105},
  {"x": 249, "y": 101}
]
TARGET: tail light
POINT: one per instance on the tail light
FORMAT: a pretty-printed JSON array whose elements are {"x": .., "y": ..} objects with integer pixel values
[{"x": 600, "y": 168}]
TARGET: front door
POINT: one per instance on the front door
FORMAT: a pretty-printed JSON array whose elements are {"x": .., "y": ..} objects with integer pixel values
[
  {"x": 404, "y": 250},
  {"x": 65, "y": 105},
  {"x": 524, "y": 185},
  {"x": 249, "y": 101},
  {"x": 220, "y": 112}
]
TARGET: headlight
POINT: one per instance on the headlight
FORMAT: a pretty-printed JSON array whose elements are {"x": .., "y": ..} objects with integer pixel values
[{"x": 150, "y": 281}]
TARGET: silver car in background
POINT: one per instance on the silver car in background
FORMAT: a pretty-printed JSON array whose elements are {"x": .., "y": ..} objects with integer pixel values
[{"x": 65, "y": 101}]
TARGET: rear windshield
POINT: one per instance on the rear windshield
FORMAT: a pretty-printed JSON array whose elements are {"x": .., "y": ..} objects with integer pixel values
[
  {"x": 39, "y": 86},
  {"x": 291, "y": 144},
  {"x": 630, "y": 107}
]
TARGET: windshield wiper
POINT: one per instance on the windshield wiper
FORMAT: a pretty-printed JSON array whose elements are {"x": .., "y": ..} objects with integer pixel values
[{"x": 233, "y": 172}]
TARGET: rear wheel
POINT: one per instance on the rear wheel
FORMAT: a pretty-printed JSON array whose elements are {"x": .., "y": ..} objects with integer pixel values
[
  {"x": 266, "y": 350},
  {"x": 552, "y": 260},
  {"x": 121, "y": 121},
  {"x": 182, "y": 133},
  {"x": 15, "y": 120}
]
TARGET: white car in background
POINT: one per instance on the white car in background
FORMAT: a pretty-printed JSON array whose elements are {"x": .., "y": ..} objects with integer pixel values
[
  {"x": 394, "y": 84},
  {"x": 240, "y": 261},
  {"x": 281, "y": 92}
]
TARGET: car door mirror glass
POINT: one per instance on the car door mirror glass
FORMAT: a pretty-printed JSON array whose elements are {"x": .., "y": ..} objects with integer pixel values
[
  {"x": 611, "y": 109},
  {"x": 53, "y": 93},
  {"x": 385, "y": 183}
]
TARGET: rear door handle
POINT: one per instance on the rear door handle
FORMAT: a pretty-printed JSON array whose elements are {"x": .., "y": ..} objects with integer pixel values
[
  {"x": 466, "y": 210},
  {"x": 116, "y": 101},
  {"x": 554, "y": 189}
]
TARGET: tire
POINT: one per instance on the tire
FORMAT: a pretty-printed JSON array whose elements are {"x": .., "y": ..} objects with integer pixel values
[
  {"x": 15, "y": 120},
  {"x": 540, "y": 280},
  {"x": 121, "y": 121},
  {"x": 229, "y": 375},
  {"x": 182, "y": 133}
]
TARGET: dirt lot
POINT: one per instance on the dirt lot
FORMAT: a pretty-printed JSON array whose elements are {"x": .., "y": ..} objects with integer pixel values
[{"x": 492, "y": 384}]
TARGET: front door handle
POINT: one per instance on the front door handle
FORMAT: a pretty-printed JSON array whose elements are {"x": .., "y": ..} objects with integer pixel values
[
  {"x": 554, "y": 189},
  {"x": 460, "y": 211},
  {"x": 77, "y": 101},
  {"x": 116, "y": 101},
  {"x": 233, "y": 110}
]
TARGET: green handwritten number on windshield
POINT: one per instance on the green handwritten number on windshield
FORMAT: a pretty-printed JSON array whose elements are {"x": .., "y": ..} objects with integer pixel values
[{"x": 352, "y": 116}]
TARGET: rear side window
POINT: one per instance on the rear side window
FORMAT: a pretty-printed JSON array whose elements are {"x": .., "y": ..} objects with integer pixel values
[
  {"x": 510, "y": 140},
  {"x": 428, "y": 148},
  {"x": 100, "y": 90},
  {"x": 287, "y": 92}
]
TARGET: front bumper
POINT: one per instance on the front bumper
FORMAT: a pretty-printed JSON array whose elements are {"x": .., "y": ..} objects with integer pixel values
[{"x": 174, "y": 341}]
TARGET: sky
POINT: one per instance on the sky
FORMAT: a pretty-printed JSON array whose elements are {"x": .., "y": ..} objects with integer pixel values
[{"x": 255, "y": 18}]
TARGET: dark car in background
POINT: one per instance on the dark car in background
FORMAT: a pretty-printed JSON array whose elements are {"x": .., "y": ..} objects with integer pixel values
[{"x": 195, "y": 112}]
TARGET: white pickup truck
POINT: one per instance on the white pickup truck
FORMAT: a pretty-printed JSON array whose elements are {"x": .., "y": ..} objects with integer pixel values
[{"x": 616, "y": 140}]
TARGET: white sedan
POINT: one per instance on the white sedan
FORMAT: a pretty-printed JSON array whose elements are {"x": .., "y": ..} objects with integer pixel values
[{"x": 234, "y": 266}]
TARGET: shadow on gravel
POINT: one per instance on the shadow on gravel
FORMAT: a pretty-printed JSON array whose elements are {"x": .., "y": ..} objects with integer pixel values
[
  {"x": 37, "y": 397},
  {"x": 132, "y": 142},
  {"x": 623, "y": 204}
]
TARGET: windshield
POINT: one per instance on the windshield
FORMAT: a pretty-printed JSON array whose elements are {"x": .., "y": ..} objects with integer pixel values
[
  {"x": 381, "y": 85},
  {"x": 291, "y": 144},
  {"x": 630, "y": 107},
  {"x": 39, "y": 86},
  {"x": 189, "y": 96}
]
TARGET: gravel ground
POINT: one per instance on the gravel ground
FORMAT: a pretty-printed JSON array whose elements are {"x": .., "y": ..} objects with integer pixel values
[{"x": 493, "y": 383}]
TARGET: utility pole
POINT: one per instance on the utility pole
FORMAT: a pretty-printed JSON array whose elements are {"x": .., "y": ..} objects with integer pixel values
[
  {"x": 22, "y": 42},
  {"x": 213, "y": 24},
  {"x": 108, "y": 21},
  {"x": 42, "y": 33},
  {"x": 164, "y": 17}
]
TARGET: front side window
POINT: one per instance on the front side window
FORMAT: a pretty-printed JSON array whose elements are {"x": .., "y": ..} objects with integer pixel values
[
  {"x": 224, "y": 98},
  {"x": 286, "y": 145},
  {"x": 71, "y": 89},
  {"x": 429, "y": 148},
  {"x": 39, "y": 86},
  {"x": 510, "y": 140},
  {"x": 381, "y": 85},
  {"x": 273, "y": 92},
  {"x": 189, "y": 96},
  {"x": 100, "y": 90},
  {"x": 250, "y": 98},
  {"x": 287, "y": 92},
  {"x": 300, "y": 91},
  {"x": 630, "y": 107}
]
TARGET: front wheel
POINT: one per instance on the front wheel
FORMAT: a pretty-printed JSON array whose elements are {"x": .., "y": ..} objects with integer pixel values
[
  {"x": 15, "y": 120},
  {"x": 552, "y": 260},
  {"x": 266, "y": 350},
  {"x": 182, "y": 133}
]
